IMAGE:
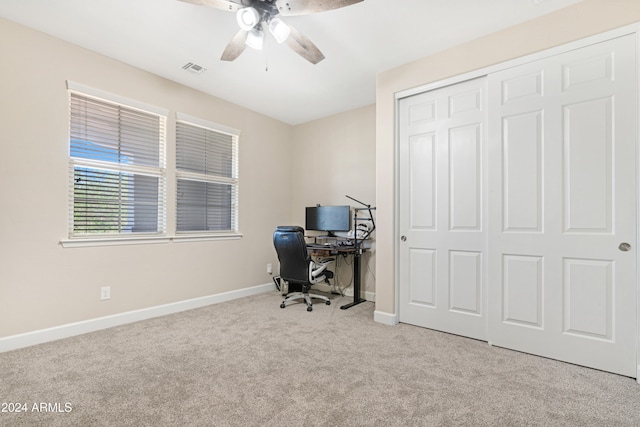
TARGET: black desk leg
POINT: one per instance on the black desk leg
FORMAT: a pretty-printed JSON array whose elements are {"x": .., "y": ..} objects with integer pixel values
[{"x": 356, "y": 282}]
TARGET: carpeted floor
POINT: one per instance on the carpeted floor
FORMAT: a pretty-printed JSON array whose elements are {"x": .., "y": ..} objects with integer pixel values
[{"x": 249, "y": 363}]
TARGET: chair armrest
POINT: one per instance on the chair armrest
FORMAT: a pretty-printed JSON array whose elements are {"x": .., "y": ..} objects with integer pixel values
[{"x": 315, "y": 272}]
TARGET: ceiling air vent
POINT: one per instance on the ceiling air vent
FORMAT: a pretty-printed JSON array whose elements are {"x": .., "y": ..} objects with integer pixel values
[{"x": 193, "y": 68}]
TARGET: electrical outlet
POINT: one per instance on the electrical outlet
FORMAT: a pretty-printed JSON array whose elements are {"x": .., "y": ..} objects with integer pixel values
[
  {"x": 105, "y": 293},
  {"x": 269, "y": 268}
]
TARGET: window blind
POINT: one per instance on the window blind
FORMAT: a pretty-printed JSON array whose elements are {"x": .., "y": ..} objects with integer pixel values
[
  {"x": 117, "y": 167},
  {"x": 207, "y": 179}
]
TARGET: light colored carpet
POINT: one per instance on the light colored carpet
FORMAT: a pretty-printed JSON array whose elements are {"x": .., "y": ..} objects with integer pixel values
[{"x": 249, "y": 363}]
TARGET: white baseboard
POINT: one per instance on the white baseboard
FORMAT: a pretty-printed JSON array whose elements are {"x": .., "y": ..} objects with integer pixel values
[
  {"x": 385, "y": 318},
  {"x": 15, "y": 342}
]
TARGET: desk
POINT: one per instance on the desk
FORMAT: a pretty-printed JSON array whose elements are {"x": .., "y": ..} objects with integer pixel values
[{"x": 338, "y": 249}]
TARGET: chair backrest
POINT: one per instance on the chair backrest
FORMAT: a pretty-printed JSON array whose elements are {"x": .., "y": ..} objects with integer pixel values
[{"x": 292, "y": 253}]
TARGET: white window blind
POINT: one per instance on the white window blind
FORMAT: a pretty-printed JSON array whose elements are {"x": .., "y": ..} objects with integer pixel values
[
  {"x": 207, "y": 177},
  {"x": 117, "y": 168}
]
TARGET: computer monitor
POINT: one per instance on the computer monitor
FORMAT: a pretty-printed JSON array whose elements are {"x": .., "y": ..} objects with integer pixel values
[{"x": 328, "y": 218}]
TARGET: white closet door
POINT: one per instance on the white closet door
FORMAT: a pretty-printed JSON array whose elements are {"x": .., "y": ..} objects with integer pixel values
[
  {"x": 562, "y": 200},
  {"x": 442, "y": 260}
]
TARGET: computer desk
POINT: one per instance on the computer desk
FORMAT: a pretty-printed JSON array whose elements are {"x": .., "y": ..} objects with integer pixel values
[{"x": 342, "y": 249}]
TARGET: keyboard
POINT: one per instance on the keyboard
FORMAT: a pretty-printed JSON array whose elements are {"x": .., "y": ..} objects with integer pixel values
[
  {"x": 329, "y": 246},
  {"x": 319, "y": 246}
]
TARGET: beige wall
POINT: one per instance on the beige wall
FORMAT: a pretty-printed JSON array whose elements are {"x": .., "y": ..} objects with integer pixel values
[
  {"x": 334, "y": 157},
  {"x": 573, "y": 23},
  {"x": 44, "y": 285}
]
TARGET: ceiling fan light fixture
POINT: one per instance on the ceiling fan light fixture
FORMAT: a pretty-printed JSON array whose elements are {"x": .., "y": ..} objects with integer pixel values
[
  {"x": 247, "y": 18},
  {"x": 279, "y": 30},
  {"x": 255, "y": 39}
]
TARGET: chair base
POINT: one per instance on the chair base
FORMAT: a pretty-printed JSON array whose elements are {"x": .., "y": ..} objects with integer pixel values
[{"x": 306, "y": 297}]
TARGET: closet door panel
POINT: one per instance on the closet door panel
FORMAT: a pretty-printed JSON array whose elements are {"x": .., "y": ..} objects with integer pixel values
[
  {"x": 442, "y": 256},
  {"x": 562, "y": 154}
]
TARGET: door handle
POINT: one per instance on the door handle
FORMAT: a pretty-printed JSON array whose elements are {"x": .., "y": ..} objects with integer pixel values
[
  {"x": 403, "y": 238},
  {"x": 624, "y": 247}
]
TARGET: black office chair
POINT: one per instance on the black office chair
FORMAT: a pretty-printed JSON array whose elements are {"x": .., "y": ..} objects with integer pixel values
[{"x": 296, "y": 265}]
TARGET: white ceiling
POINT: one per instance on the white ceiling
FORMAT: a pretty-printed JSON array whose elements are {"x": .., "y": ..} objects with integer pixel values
[{"x": 358, "y": 41}]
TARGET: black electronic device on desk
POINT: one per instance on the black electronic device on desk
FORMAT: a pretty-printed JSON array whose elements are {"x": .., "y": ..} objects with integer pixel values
[
  {"x": 320, "y": 246},
  {"x": 329, "y": 219}
]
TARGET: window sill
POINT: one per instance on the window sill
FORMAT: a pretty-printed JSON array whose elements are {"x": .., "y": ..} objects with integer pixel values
[
  {"x": 145, "y": 240},
  {"x": 113, "y": 241}
]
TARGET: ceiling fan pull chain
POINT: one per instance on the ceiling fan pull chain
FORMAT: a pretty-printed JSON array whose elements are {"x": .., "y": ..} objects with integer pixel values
[{"x": 266, "y": 57}]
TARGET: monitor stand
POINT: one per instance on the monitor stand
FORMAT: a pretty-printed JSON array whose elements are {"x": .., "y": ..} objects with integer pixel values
[{"x": 358, "y": 251}]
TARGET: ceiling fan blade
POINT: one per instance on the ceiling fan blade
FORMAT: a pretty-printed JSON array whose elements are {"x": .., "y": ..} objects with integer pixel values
[
  {"x": 303, "y": 46},
  {"x": 305, "y": 7},
  {"x": 218, "y": 4},
  {"x": 235, "y": 47}
]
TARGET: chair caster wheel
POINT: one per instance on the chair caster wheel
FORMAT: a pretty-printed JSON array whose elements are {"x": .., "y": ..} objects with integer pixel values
[
  {"x": 328, "y": 302},
  {"x": 309, "y": 308},
  {"x": 282, "y": 305}
]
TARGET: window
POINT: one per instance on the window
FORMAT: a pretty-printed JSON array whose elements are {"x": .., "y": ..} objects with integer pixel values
[
  {"x": 207, "y": 177},
  {"x": 117, "y": 166}
]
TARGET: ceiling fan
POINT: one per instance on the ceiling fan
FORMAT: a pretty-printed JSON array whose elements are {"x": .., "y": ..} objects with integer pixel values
[{"x": 254, "y": 16}]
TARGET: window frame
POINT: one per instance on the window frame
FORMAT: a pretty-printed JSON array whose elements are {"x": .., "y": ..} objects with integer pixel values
[
  {"x": 159, "y": 172},
  {"x": 233, "y": 181}
]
